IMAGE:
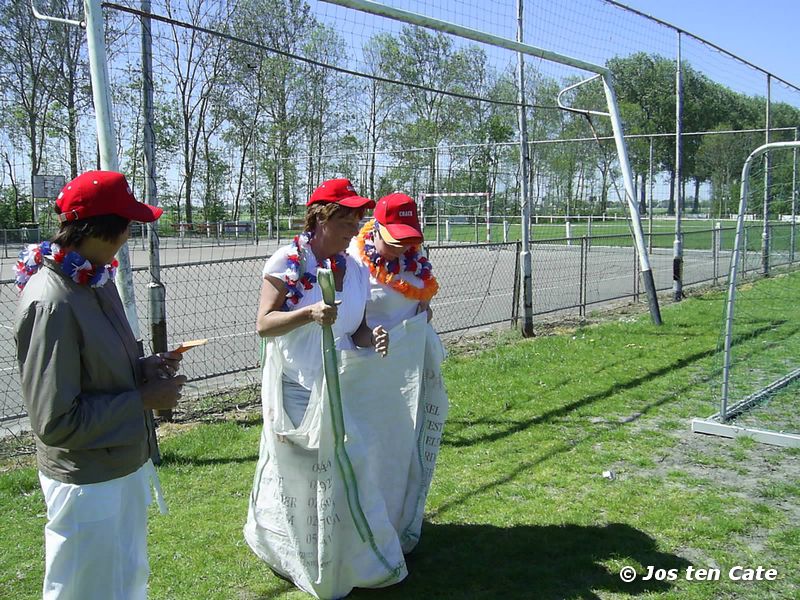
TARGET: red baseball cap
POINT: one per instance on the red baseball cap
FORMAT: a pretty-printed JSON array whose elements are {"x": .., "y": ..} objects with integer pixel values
[
  {"x": 96, "y": 193},
  {"x": 340, "y": 191},
  {"x": 397, "y": 213}
]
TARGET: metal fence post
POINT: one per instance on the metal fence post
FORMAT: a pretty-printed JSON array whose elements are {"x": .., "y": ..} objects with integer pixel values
[
  {"x": 515, "y": 297},
  {"x": 488, "y": 217},
  {"x": 746, "y": 240},
  {"x": 278, "y": 206},
  {"x": 716, "y": 234},
  {"x": 767, "y": 184},
  {"x": 438, "y": 222},
  {"x": 106, "y": 140},
  {"x": 650, "y": 180},
  {"x": 582, "y": 278},
  {"x": 526, "y": 269},
  {"x": 157, "y": 293},
  {"x": 677, "y": 252},
  {"x": 793, "y": 232}
]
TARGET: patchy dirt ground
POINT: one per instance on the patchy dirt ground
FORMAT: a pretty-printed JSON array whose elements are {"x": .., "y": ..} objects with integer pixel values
[{"x": 738, "y": 468}]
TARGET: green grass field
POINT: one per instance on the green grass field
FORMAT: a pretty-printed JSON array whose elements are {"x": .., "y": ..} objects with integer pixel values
[
  {"x": 697, "y": 233},
  {"x": 520, "y": 507}
]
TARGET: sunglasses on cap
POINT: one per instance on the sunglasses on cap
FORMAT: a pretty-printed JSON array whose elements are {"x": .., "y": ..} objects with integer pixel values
[{"x": 390, "y": 241}]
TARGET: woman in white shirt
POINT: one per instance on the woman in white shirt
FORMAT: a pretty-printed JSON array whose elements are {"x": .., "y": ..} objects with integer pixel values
[{"x": 291, "y": 308}]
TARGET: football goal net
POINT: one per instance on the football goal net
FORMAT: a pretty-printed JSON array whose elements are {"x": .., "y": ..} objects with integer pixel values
[
  {"x": 757, "y": 371},
  {"x": 599, "y": 74},
  {"x": 459, "y": 216}
]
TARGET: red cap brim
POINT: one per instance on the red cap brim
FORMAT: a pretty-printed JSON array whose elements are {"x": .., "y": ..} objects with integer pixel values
[
  {"x": 141, "y": 212},
  {"x": 356, "y": 202},
  {"x": 402, "y": 232}
]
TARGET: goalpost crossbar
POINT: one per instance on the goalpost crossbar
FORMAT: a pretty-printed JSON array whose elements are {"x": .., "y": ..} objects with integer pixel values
[{"x": 488, "y": 209}]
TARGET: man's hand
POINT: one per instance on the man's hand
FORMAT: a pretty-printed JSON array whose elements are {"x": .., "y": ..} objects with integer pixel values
[{"x": 161, "y": 366}]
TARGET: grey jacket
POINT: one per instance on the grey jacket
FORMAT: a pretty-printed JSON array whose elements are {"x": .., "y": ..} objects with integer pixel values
[{"x": 80, "y": 370}]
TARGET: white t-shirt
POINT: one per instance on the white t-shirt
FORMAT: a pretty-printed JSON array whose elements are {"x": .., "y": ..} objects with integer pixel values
[
  {"x": 301, "y": 348},
  {"x": 386, "y": 306}
]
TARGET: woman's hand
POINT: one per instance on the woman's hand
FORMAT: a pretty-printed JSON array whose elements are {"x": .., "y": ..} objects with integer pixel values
[
  {"x": 324, "y": 314},
  {"x": 161, "y": 366},
  {"x": 425, "y": 307},
  {"x": 380, "y": 340}
]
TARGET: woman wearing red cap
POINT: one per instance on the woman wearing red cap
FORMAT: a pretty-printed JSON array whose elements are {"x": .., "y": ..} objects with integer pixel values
[
  {"x": 389, "y": 248},
  {"x": 88, "y": 394},
  {"x": 284, "y": 515},
  {"x": 291, "y": 308},
  {"x": 400, "y": 275}
]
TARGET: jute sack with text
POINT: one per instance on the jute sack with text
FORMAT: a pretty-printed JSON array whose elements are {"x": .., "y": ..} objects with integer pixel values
[{"x": 329, "y": 507}]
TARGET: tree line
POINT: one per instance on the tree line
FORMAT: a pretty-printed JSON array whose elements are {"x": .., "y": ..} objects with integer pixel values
[{"x": 250, "y": 121}]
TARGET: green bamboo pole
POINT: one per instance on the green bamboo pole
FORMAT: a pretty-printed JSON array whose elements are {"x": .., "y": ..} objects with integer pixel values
[{"x": 331, "y": 365}]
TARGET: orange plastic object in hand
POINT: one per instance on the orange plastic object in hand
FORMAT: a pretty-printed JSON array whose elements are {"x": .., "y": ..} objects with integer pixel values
[{"x": 185, "y": 346}]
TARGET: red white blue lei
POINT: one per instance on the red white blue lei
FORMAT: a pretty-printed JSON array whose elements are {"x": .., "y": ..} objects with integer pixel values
[
  {"x": 296, "y": 264},
  {"x": 412, "y": 261},
  {"x": 72, "y": 264}
]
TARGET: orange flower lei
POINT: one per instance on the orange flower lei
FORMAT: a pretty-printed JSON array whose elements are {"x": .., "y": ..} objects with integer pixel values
[{"x": 429, "y": 284}]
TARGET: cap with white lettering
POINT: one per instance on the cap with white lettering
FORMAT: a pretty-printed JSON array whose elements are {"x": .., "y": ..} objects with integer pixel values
[{"x": 397, "y": 213}]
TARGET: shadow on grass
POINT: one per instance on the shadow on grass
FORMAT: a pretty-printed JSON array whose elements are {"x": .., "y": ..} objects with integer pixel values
[
  {"x": 509, "y": 428},
  {"x": 456, "y": 426},
  {"x": 542, "y": 562},
  {"x": 173, "y": 459}
]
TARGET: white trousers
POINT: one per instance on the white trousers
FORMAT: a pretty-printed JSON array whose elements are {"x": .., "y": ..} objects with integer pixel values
[{"x": 96, "y": 537}]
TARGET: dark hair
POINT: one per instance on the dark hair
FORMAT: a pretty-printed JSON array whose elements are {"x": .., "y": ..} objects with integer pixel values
[
  {"x": 104, "y": 227},
  {"x": 320, "y": 212}
]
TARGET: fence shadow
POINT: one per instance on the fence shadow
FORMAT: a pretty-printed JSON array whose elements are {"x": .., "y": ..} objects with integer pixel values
[
  {"x": 457, "y": 427},
  {"x": 546, "y": 562}
]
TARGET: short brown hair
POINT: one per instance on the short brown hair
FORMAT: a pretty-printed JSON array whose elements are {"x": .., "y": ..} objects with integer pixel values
[
  {"x": 320, "y": 212},
  {"x": 104, "y": 227}
]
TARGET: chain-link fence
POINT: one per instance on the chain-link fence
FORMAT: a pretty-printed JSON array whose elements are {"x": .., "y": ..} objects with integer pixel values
[
  {"x": 217, "y": 299},
  {"x": 276, "y": 96},
  {"x": 479, "y": 287},
  {"x": 12, "y": 239},
  {"x": 256, "y": 102}
]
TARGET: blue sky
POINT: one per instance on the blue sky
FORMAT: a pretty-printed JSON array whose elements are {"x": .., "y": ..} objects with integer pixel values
[{"x": 764, "y": 33}]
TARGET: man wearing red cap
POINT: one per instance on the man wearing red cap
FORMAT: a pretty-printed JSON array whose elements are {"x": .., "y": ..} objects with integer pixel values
[{"x": 89, "y": 394}]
